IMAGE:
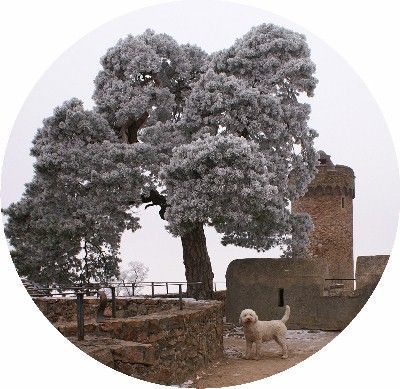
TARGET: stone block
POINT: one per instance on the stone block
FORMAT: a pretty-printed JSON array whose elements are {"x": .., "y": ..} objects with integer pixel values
[
  {"x": 132, "y": 330},
  {"x": 157, "y": 336},
  {"x": 163, "y": 375},
  {"x": 125, "y": 368},
  {"x": 129, "y": 352},
  {"x": 112, "y": 327},
  {"x": 103, "y": 355}
]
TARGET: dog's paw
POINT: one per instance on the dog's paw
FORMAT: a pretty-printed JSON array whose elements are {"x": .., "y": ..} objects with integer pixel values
[{"x": 246, "y": 356}]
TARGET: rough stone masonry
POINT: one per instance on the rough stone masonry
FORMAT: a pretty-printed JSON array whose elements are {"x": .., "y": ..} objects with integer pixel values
[
  {"x": 151, "y": 339},
  {"x": 329, "y": 202}
]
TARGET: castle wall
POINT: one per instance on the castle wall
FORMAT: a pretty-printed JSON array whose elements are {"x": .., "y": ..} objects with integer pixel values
[
  {"x": 259, "y": 283},
  {"x": 369, "y": 270}
]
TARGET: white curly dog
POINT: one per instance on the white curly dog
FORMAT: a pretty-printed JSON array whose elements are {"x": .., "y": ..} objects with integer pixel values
[{"x": 257, "y": 331}]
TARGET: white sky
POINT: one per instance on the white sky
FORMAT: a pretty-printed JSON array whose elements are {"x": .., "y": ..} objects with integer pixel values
[{"x": 351, "y": 127}]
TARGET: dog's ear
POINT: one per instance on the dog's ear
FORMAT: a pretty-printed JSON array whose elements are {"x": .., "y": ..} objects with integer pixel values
[
  {"x": 255, "y": 317},
  {"x": 240, "y": 320}
]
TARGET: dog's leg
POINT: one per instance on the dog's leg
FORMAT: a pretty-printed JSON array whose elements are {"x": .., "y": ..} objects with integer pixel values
[
  {"x": 248, "y": 349},
  {"x": 258, "y": 348},
  {"x": 282, "y": 342}
]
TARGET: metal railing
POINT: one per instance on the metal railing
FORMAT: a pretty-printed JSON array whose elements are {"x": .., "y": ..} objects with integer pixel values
[
  {"x": 92, "y": 289},
  {"x": 79, "y": 292},
  {"x": 134, "y": 286}
]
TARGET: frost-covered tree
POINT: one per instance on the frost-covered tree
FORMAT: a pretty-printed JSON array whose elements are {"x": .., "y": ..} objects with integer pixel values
[
  {"x": 134, "y": 273},
  {"x": 215, "y": 140},
  {"x": 68, "y": 224},
  {"x": 230, "y": 137}
]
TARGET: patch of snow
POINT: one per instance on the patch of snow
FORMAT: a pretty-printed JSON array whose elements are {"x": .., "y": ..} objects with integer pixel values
[
  {"x": 186, "y": 384},
  {"x": 232, "y": 352}
]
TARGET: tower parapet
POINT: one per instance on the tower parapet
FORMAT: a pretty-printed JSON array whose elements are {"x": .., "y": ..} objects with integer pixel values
[{"x": 332, "y": 179}]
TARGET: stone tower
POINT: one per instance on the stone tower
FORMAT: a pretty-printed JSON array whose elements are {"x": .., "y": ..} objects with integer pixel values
[{"x": 329, "y": 202}]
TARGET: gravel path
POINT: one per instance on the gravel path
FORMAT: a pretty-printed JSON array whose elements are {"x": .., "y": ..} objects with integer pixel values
[{"x": 234, "y": 370}]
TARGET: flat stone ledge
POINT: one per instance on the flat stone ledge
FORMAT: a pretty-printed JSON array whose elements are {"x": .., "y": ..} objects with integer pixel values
[{"x": 113, "y": 351}]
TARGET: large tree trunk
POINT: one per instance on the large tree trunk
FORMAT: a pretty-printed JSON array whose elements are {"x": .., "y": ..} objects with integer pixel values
[
  {"x": 195, "y": 255},
  {"x": 197, "y": 264},
  {"x": 129, "y": 131}
]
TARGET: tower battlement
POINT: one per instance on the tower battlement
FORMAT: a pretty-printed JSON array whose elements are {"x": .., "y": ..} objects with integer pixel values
[{"x": 335, "y": 179}]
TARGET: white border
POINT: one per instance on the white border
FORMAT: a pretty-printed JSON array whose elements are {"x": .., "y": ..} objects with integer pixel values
[{"x": 35, "y": 33}]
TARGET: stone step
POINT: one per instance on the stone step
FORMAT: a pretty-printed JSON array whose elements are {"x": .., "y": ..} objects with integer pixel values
[
  {"x": 112, "y": 352},
  {"x": 142, "y": 329}
]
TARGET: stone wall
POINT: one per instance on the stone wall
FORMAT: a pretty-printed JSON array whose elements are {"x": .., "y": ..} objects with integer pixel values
[
  {"x": 329, "y": 202},
  {"x": 369, "y": 269},
  {"x": 165, "y": 347},
  {"x": 220, "y": 295},
  {"x": 267, "y": 284},
  {"x": 59, "y": 310}
]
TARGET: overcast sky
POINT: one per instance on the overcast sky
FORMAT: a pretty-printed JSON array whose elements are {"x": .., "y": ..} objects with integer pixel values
[{"x": 351, "y": 128}]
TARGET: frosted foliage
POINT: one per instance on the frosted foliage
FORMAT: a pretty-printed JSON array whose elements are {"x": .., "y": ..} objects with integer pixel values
[
  {"x": 219, "y": 103},
  {"x": 272, "y": 58},
  {"x": 223, "y": 181},
  {"x": 277, "y": 62},
  {"x": 225, "y": 104},
  {"x": 135, "y": 271},
  {"x": 163, "y": 138},
  {"x": 148, "y": 73},
  {"x": 70, "y": 219},
  {"x": 295, "y": 244}
]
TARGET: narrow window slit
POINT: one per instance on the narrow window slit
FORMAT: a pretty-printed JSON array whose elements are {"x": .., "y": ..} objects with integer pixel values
[{"x": 281, "y": 297}]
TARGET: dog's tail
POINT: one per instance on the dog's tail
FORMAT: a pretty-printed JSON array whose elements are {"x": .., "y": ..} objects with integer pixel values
[{"x": 285, "y": 317}]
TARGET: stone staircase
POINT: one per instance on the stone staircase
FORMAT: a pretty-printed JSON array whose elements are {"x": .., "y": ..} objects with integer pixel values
[
  {"x": 163, "y": 347},
  {"x": 122, "y": 355}
]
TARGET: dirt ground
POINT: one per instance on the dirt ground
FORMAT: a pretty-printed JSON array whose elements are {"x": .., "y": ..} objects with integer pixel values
[{"x": 234, "y": 370}]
